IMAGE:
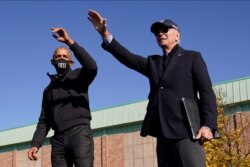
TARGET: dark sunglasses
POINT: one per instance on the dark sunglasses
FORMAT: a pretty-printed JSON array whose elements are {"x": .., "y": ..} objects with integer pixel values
[{"x": 161, "y": 29}]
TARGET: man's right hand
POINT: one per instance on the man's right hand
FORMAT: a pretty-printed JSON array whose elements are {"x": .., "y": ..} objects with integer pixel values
[
  {"x": 61, "y": 35},
  {"x": 99, "y": 23},
  {"x": 32, "y": 153}
]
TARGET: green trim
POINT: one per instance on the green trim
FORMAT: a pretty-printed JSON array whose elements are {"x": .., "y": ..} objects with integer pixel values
[
  {"x": 230, "y": 81},
  {"x": 237, "y": 108},
  {"x": 126, "y": 128},
  {"x": 20, "y": 146}
]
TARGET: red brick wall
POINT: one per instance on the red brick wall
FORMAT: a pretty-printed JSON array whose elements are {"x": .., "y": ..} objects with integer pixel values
[
  {"x": 6, "y": 159},
  {"x": 46, "y": 156},
  {"x": 139, "y": 151},
  {"x": 247, "y": 132},
  {"x": 119, "y": 150},
  {"x": 243, "y": 120},
  {"x": 109, "y": 151},
  {"x": 98, "y": 152}
]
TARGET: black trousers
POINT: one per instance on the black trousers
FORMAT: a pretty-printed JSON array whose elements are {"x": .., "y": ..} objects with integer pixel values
[
  {"x": 180, "y": 153},
  {"x": 74, "y": 146}
]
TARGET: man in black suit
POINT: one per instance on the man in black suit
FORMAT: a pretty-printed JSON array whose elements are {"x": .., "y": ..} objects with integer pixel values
[{"x": 178, "y": 73}]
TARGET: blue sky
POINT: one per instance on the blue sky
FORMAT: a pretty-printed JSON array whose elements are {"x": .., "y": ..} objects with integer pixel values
[{"x": 219, "y": 30}]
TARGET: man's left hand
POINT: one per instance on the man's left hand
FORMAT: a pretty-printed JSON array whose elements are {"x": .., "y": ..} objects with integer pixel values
[{"x": 204, "y": 134}]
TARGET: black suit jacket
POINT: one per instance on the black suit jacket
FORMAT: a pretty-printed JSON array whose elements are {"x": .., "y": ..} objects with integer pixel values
[{"x": 185, "y": 76}]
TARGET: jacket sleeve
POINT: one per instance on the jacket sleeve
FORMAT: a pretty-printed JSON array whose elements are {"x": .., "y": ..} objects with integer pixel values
[
  {"x": 207, "y": 97},
  {"x": 42, "y": 128},
  {"x": 124, "y": 56},
  {"x": 89, "y": 66}
]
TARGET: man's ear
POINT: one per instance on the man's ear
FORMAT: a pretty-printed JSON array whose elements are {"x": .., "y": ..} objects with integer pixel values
[{"x": 178, "y": 36}]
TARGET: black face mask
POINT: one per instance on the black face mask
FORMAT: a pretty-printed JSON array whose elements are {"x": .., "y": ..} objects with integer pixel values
[{"x": 61, "y": 65}]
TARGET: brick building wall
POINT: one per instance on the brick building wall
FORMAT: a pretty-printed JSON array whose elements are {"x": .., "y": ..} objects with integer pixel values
[
  {"x": 119, "y": 150},
  {"x": 7, "y": 159},
  {"x": 243, "y": 120},
  {"x": 116, "y": 150}
]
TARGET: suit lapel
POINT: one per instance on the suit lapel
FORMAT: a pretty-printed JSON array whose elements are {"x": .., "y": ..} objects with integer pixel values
[
  {"x": 160, "y": 68},
  {"x": 172, "y": 64}
]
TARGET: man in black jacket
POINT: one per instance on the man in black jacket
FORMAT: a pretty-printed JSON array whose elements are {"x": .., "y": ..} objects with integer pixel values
[
  {"x": 178, "y": 73},
  {"x": 65, "y": 107}
]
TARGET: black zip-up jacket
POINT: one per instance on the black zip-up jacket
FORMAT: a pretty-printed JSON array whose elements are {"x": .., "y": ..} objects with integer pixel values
[{"x": 65, "y": 101}]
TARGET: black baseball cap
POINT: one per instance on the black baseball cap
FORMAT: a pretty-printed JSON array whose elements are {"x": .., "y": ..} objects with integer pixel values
[{"x": 163, "y": 23}]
